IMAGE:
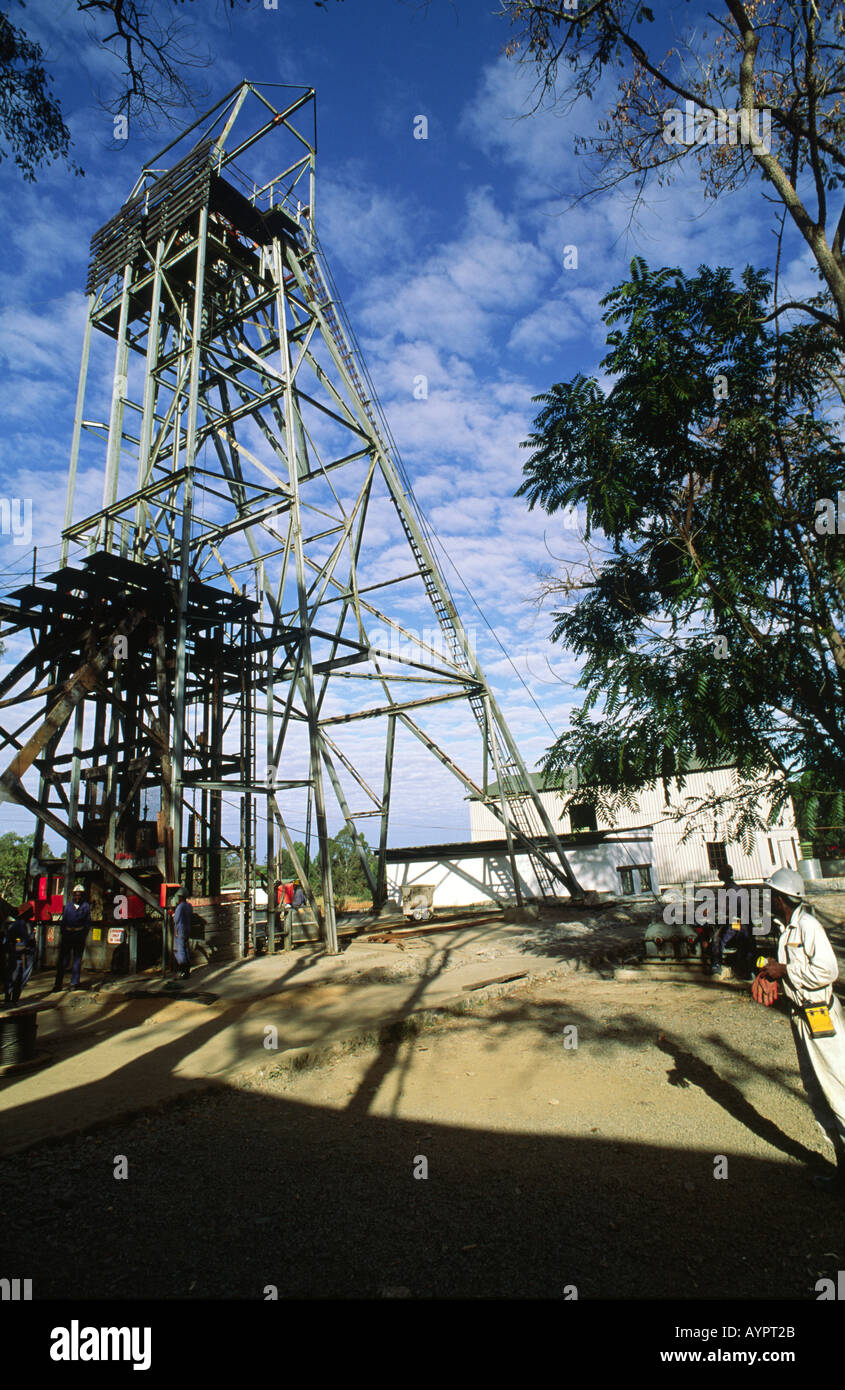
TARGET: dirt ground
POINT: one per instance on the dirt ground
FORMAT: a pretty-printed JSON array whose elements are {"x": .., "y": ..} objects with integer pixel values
[
  {"x": 486, "y": 1156},
  {"x": 118, "y": 1046}
]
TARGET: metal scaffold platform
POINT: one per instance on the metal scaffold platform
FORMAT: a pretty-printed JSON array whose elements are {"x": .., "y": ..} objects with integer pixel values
[{"x": 207, "y": 643}]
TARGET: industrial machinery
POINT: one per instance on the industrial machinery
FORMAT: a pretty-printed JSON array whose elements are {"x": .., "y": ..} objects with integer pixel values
[{"x": 672, "y": 943}]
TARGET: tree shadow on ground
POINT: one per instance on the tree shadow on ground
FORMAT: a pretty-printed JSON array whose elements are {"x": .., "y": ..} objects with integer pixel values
[{"x": 629, "y": 1030}]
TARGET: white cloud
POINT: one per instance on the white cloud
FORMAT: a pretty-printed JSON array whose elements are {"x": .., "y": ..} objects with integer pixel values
[
  {"x": 501, "y": 120},
  {"x": 463, "y": 289},
  {"x": 364, "y": 226}
]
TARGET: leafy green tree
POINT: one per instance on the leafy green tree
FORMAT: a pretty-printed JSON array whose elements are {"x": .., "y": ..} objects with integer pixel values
[
  {"x": 348, "y": 877},
  {"x": 711, "y": 618},
  {"x": 14, "y": 853}
]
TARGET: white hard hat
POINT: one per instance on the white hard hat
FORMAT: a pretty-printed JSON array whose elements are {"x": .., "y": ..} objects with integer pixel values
[
  {"x": 788, "y": 883},
  {"x": 77, "y": 888}
]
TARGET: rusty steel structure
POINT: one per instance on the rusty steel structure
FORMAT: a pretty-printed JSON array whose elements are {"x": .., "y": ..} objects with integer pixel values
[{"x": 207, "y": 637}]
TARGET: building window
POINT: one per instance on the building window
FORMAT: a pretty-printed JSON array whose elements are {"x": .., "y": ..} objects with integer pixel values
[
  {"x": 582, "y": 817},
  {"x": 636, "y": 878},
  {"x": 717, "y": 855}
]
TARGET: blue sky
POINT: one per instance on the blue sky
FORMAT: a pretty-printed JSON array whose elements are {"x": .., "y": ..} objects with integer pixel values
[{"x": 448, "y": 252}]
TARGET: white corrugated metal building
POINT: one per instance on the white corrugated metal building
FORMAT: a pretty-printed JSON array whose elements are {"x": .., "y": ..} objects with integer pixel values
[
  {"x": 471, "y": 873},
  {"x": 674, "y": 862}
]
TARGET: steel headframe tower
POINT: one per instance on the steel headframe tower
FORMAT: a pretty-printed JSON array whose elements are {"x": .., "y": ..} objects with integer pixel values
[{"x": 212, "y": 624}]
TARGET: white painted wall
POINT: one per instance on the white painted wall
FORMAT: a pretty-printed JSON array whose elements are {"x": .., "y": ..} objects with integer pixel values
[
  {"x": 471, "y": 879},
  {"x": 675, "y": 862}
]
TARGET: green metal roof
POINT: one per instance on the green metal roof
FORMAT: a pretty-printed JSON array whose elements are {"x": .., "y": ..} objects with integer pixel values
[{"x": 539, "y": 784}]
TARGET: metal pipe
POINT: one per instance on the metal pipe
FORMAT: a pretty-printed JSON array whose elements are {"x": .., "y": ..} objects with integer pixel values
[
  {"x": 119, "y": 382},
  {"x": 185, "y": 547},
  {"x": 505, "y": 816},
  {"x": 330, "y": 925},
  {"x": 381, "y": 881},
  {"x": 77, "y": 430}
]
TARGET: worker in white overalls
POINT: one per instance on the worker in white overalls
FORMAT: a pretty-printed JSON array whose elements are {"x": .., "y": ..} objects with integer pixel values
[{"x": 808, "y": 969}]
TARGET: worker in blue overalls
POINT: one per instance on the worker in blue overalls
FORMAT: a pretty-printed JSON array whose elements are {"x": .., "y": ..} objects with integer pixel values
[
  {"x": 19, "y": 953},
  {"x": 76, "y": 920},
  {"x": 182, "y": 934},
  {"x": 730, "y": 930}
]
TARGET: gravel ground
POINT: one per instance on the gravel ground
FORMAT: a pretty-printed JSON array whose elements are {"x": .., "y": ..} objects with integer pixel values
[{"x": 547, "y": 1166}]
